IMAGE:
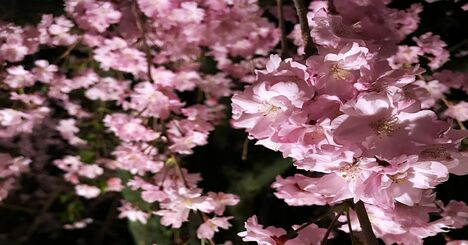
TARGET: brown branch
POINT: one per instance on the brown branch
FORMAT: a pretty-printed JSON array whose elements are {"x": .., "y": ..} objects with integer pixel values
[
  {"x": 330, "y": 227},
  {"x": 309, "y": 46},
  {"x": 284, "y": 40},
  {"x": 142, "y": 28},
  {"x": 339, "y": 208},
  {"x": 366, "y": 226},
  {"x": 245, "y": 149}
]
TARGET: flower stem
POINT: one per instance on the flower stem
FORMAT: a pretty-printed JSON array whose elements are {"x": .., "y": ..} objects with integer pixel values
[
  {"x": 330, "y": 227},
  {"x": 309, "y": 47},
  {"x": 366, "y": 226},
  {"x": 339, "y": 208}
]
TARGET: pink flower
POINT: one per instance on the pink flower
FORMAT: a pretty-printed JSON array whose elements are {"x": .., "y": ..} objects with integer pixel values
[
  {"x": 12, "y": 167},
  {"x": 114, "y": 184},
  {"x": 335, "y": 73},
  {"x": 175, "y": 210},
  {"x": 187, "y": 13},
  {"x": 108, "y": 88},
  {"x": 56, "y": 31},
  {"x": 210, "y": 226},
  {"x": 435, "y": 48},
  {"x": 186, "y": 134},
  {"x": 378, "y": 127},
  {"x": 406, "y": 56},
  {"x": 133, "y": 159},
  {"x": 74, "y": 169},
  {"x": 435, "y": 91},
  {"x": 152, "y": 193},
  {"x": 262, "y": 107},
  {"x": 403, "y": 180},
  {"x": 263, "y": 236},
  {"x": 68, "y": 130},
  {"x": 18, "y": 77},
  {"x": 87, "y": 191},
  {"x": 153, "y": 101},
  {"x": 154, "y": 8},
  {"x": 128, "y": 128},
  {"x": 94, "y": 15},
  {"x": 407, "y": 21},
  {"x": 221, "y": 200},
  {"x": 457, "y": 212},
  {"x": 13, "y": 52},
  {"x": 129, "y": 211},
  {"x": 80, "y": 224},
  {"x": 458, "y": 111},
  {"x": 115, "y": 53},
  {"x": 44, "y": 71},
  {"x": 312, "y": 234}
]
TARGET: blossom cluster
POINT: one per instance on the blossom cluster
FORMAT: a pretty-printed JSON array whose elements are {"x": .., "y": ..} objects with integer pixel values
[
  {"x": 125, "y": 99},
  {"x": 358, "y": 115}
]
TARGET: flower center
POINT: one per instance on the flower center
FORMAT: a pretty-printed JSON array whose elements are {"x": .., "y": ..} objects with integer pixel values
[
  {"x": 384, "y": 126},
  {"x": 271, "y": 109},
  {"x": 398, "y": 178},
  {"x": 338, "y": 73},
  {"x": 349, "y": 171}
]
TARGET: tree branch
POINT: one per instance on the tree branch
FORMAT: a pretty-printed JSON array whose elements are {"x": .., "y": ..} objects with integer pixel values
[
  {"x": 284, "y": 44},
  {"x": 309, "y": 47},
  {"x": 366, "y": 226}
]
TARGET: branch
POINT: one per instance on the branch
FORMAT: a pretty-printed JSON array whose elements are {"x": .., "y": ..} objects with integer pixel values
[
  {"x": 339, "y": 208},
  {"x": 309, "y": 47},
  {"x": 366, "y": 225},
  {"x": 142, "y": 28},
  {"x": 284, "y": 44},
  {"x": 330, "y": 227}
]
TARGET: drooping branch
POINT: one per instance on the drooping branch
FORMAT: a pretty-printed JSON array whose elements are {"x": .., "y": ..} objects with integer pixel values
[
  {"x": 143, "y": 31},
  {"x": 284, "y": 44},
  {"x": 309, "y": 46}
]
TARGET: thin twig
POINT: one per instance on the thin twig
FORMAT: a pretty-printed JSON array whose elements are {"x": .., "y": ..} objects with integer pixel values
[
  {"x": 245, "y": 149},
  {"x": 40, "y": 216},
  {"x": 330, "y": 227},
  {"x": 338, "y": 208},
  {"x": 284, "y": 40},
  {"x": 351, "y": 233},
  {"x": 309, "y": 47},
  {"x": 107, "y": 221},
  {"x": 142, "y": 28},
  {"x": 366, "y": 226},
  {"x": 18, "y": 208},
  {"x": 67, "y": 51},
  {"x": 458, "y": 45}
]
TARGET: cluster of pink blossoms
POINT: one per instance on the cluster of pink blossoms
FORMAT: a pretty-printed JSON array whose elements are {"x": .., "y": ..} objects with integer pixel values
[
  {"x": 357, "y": 114},
  {"x": 134, "y": 60}
]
